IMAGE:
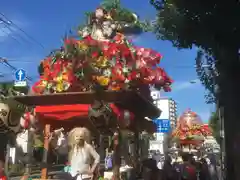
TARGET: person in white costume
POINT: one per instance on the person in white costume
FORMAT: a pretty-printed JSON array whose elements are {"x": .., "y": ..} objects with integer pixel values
[
  {"x": 81, "y": 154},
  {"x": 160, "y": 164}
]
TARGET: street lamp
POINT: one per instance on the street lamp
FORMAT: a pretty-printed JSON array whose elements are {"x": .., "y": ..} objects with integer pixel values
[{"x": 194, "y": 81}]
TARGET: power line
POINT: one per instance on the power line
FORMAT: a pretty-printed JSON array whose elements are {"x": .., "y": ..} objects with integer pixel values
[
  {"x": 21, "y": 60},
  {"x": 9, "y": 22},
  {"x": 7, "y": 64},
  {"x": 8, "y": 34},
  {"x": 188, "y": 66}
]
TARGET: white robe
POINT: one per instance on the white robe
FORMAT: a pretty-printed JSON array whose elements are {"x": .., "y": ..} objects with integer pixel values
[
  {"x": 81, "y": 160},
  {"x": 22, "y": 140}
]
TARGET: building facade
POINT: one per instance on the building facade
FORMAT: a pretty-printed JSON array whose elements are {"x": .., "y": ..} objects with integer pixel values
[{"x": 168, "y": 109}]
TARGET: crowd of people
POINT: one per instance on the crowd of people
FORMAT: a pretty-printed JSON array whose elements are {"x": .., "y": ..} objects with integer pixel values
[
  {"x": 84, "y": 162},
  {"x": 184, "y": 167}
]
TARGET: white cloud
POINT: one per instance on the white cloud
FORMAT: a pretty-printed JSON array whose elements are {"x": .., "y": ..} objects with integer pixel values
[{"x": 178, "y": 86}]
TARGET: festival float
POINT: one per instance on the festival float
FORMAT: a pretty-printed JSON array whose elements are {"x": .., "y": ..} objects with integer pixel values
[
  {"x": 99, "y": 80},
  {"x": 190, "y": 132}
]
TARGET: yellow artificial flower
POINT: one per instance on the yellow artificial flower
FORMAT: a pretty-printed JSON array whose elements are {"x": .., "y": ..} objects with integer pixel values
[
  {"x": 59, "y": 87},
  {"x": 59, "y": 83},
  {"x": 82, "y": 46},
  {"x": 59, "y": 79},
  {"x": 102, "y": 80},
  {"x": 44, "y": 83},
  {"x": 101, "y": 62}
]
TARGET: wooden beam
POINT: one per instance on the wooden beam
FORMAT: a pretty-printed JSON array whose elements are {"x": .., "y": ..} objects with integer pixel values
[
  {"x": 72, "y": 98},
  {"x": 46, "y": 147}
]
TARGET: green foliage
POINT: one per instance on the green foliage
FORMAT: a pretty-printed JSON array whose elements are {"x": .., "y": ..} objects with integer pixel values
[
  {"x": 207, "y": 74},
  {"x": 8, "y": 90},
  {"x": 111, "y": 4},
  {"x": 200, "y": 23},
  {"x": 120, "y": 13},
  {"x": 214, "y": 124},
  {"x": 122, "y": 16}
]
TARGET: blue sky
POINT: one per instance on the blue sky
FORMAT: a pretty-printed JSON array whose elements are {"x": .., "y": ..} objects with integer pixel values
[{"x": 48, "y": 21}]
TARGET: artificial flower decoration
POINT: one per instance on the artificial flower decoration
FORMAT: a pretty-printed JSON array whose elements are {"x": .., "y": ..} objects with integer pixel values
[
  {"x": 102, "y": 55},
  {"x": 190, "y": 127},
  {"x": 103, "y": 80}
]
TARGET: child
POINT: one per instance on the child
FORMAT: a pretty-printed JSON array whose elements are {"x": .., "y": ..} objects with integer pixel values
[
  {"x": 108, "y": 161},
  {"x": 2, "y": 174}
]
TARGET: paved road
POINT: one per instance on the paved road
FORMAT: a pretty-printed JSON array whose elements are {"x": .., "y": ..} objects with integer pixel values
[
  {"x": 36, "y": 175},
  {"x": 50, "y": 173}
]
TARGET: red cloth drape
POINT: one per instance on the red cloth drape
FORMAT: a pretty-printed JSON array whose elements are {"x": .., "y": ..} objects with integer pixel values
[{"x": 63, "y": 112}]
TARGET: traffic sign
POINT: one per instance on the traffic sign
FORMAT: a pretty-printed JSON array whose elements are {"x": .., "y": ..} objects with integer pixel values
[
  {"x": 163, "y": 125},
  {"x": 20, "y": 75},
  {"x": 20, "y": 78}
]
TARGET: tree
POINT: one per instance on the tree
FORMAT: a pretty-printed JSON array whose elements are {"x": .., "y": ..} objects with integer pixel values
[
  {"x": 7, "y": 89},
  {"x": 207, "y": 74},
  {"x": 214, "y": 124},
  {"x": 200, "y": 23}
]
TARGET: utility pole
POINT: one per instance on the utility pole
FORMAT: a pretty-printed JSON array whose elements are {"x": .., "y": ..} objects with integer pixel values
[
  {"x": 222, "y": 140},
  {"x": 220, "y": 113}
]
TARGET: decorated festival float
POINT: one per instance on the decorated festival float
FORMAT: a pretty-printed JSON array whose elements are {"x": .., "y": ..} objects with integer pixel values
[
  {"x": 100, "y": 81},
  {"x": 190, "y": 132}
]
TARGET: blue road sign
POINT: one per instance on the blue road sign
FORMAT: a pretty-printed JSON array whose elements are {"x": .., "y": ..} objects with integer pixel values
[
  {"x": 20, "y": 75},
  {"x": 163, "y": 125}
]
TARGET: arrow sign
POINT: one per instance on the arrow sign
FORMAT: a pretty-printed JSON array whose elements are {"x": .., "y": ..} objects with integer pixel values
[
  {"x": 20, "y": 73},
  {"x": 20, "y": 76}
]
